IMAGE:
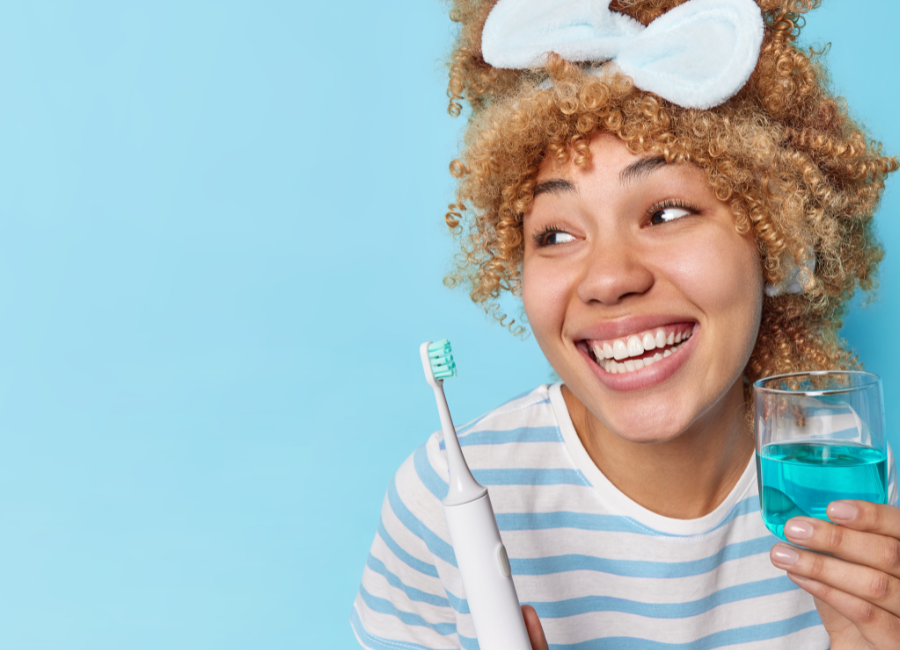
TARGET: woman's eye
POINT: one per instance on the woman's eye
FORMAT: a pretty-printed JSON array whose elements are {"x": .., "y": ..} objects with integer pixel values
[
  {"x": 666, "y": 215},
  {"x": 555, "y": 237}
]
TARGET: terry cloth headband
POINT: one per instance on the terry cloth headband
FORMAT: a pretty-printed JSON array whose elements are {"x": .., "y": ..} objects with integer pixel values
[{"x": 697, "y": 55}]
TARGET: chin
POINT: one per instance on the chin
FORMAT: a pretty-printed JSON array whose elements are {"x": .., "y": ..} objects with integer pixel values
[
  {"x": 643, "y": 434},
  {"x": 644, "y": 423}
]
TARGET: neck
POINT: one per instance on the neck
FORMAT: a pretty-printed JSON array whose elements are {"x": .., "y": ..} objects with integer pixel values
[{"x": 683, "y": 478}]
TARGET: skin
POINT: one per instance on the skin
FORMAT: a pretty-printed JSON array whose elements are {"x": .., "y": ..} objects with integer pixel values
[
  {"x": 679, "y": 445},
  {"x": 852, "y": 570},
  {"x": 628, "y": 243}
]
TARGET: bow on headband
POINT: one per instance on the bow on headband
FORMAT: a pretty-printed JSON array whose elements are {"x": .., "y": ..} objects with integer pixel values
[{"x": 697, "y": 55}]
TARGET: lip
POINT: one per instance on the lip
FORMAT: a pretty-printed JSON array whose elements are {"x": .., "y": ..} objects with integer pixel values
[
  {"x": 645, "y": 377},
  {"x": 626, "y": 326}
]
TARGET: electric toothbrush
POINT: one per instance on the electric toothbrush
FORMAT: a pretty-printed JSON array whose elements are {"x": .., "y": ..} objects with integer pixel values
[{"x": 480, "y": 554}]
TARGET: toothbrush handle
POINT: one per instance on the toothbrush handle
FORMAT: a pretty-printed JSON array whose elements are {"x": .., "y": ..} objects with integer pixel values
[{"x": 484, "y": 566}]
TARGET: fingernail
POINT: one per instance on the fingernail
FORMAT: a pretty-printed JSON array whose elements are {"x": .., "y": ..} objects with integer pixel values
[
  {"x": 799, "y": 530},
  {"x": 784, "y": 554},
  {"x": 842, "y": 510}
]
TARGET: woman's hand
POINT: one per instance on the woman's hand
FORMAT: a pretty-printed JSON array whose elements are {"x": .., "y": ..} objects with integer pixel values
[
  {"x": 857, "y": 591},
  {"x": 535, "y": 630}
]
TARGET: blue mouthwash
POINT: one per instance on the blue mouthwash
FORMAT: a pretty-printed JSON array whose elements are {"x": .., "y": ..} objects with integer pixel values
[{"x": 800, "y": 479}]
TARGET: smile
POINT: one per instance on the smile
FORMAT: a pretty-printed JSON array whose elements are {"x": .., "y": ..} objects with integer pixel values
[{"x": 640, "y": 350}]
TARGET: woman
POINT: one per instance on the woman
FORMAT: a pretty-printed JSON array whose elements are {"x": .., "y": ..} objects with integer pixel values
[{"x": 667, "y": 255}]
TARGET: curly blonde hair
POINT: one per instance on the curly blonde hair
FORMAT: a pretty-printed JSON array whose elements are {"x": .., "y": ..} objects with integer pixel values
[{"x": 783, "y": 153}]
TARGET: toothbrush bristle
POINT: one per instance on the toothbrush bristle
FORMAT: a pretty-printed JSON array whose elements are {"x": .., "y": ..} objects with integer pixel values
[{"x": 441, "y": 358}]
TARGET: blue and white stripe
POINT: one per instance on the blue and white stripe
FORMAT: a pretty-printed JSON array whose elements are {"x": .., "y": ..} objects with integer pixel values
[{"x": 601, "y": 571}]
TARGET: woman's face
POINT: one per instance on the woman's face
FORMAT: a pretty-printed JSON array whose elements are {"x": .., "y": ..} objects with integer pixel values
[{"x": 639, "y": 290}]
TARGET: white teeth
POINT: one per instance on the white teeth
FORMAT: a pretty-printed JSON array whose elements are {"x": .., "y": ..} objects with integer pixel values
[
  {"x": 635, "y": 349},
  {"x": 660, "y": 338},
  {"x": 634, "y": 346},
  {"x": 614, "y": 357},
  {"x": 630, "y": 365}
]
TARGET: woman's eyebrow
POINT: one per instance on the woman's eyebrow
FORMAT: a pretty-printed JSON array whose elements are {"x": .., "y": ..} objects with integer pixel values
[
  {"x": 641, "y": 168},
  {"x": 634, "y": 171},
  {"x": 554, "y": 186}
]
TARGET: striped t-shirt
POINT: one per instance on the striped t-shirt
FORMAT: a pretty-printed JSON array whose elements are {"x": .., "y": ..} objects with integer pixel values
[{"x": 601, "y": 571}]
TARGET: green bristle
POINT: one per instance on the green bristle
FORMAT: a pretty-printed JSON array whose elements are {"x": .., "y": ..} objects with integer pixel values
[{"x": 441, "y": 357}]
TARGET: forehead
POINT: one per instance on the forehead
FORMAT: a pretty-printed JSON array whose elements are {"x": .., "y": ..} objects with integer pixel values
[
  {"x": 608, "y": 153},
  {"x": 613, "y": 170}
]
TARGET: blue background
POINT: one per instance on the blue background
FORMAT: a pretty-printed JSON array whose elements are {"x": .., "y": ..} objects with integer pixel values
[{"x": 221, "y": 241}]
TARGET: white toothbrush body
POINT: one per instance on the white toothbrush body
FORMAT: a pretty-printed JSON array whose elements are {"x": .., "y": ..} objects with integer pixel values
[
  {"x": 480, "y": 554},
  {"x": 484, "y": 566}
]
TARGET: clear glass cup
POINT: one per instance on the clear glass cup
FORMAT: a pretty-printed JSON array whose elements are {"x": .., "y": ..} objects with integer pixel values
[{"x": 819, "y": 438}]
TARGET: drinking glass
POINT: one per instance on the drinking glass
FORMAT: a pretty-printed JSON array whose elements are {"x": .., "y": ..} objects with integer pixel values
[{"x": 819, "y": 437}]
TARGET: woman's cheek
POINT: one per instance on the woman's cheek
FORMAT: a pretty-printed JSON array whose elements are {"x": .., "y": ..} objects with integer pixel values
[
  {"x": 726, "y": 283},
  {"x": 740, "y": 289},
  {"x": 545, "y": 291}
]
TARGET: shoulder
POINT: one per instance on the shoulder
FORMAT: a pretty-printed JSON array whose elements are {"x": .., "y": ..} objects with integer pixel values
[
  {"x": 413, "y": 525},
  {"x": 528, "y": 417}
]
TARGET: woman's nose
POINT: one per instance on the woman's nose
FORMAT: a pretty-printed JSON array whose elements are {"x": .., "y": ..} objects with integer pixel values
[{"x": 612, "y": 274}]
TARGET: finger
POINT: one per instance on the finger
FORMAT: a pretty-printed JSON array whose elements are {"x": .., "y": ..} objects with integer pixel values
[
  {"x": 879, "y": 628},
  {"x": 867, "y": 548},
  {"x": 535, "y": 629},
  {"x": 866, "y": 583},
  {"x": 866, "y": 517},
  {"x": 838, "y": 626}
]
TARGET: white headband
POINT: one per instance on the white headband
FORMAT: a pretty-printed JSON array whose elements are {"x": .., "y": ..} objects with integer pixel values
[
  {"x": 794, "y": 276},
  {"x": 697, "y": 55}
]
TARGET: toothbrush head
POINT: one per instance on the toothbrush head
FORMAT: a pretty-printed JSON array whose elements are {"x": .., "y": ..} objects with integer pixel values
[
  {"x": 437, "y": 360},
  {"x": 441, "y": 357}
]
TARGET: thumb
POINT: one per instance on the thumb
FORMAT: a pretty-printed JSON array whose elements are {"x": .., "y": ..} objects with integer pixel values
[{"x": 535, "y": 630}]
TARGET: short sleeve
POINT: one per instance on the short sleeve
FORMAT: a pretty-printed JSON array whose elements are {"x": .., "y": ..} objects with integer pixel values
[{"x": 402, "y": 603}]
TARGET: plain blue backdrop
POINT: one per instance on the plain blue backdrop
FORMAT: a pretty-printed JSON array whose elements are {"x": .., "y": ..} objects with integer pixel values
[{"x": 221, "y": 241}]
